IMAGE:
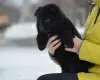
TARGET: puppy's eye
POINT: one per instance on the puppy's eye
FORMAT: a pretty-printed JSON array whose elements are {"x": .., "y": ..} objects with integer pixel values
[{"x": 47, "y": 20}]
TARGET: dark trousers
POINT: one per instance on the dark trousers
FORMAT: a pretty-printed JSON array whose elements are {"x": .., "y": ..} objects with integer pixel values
[{"x": 59, "y": 76}]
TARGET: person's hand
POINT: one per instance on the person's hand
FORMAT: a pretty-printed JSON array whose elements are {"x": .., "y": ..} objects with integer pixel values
[
  {"x": 77, "y": 44},
  {"x": 53, "y": 44}
]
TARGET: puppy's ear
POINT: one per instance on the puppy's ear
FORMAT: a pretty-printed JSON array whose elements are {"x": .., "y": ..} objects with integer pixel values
[
  {"x": 38, "y": 11},
  {"x": 41, "y": 41}
]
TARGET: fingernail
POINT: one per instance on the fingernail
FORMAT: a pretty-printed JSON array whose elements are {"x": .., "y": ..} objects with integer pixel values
[{"x": 58, "y": 40}]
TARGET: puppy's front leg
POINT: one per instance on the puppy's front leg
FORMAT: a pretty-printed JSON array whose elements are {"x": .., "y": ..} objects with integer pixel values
[
  {"x": 67, "y": 38},
  {"x": 41, "y": 41}
]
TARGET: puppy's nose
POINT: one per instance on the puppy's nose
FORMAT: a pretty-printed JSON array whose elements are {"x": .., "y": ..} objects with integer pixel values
[{"x": 42, "y": 29}]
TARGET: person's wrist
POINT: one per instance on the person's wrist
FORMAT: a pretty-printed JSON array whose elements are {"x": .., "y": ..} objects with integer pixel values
[{"x": 79, "y": 47}]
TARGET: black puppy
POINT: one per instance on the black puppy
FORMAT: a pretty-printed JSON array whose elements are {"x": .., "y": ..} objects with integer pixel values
[{"x": 52, "y": 21}]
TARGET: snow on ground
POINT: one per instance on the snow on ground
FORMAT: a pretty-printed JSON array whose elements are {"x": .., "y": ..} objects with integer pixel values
[{"x": 24, "y": 63}]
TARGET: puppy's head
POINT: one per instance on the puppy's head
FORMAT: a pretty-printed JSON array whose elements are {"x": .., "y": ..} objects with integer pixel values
[{"x": 49, "y": 17}]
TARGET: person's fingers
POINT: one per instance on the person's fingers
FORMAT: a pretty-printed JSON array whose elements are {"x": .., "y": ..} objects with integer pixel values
[
  {"x": 56, "y": 46},
  {"x": 51, "y": 45},
  {"x": 54, "y": 43},
  {"x": 51, "y": 39},
  {"x": 53, "y": 48}
]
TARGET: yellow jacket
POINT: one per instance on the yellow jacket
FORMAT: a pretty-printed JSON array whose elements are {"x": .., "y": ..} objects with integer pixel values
[{"x": 90, "y": 48}]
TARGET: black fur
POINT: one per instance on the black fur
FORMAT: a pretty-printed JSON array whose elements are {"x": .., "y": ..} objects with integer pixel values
[{"x": 52, "y": 21}]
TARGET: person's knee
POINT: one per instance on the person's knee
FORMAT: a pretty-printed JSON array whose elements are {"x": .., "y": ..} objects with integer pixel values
[{"x": 43, "y": 77}]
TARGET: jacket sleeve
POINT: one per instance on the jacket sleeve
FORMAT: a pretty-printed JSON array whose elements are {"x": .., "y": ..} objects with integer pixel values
[{"x": 90, "y": 51}]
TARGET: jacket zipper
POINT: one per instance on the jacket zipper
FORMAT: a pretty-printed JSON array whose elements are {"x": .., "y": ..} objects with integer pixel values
[{"x": 91, "y": 21}]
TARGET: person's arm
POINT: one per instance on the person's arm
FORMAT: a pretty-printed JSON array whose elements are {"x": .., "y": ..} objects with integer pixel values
[
  {"x": 86, "y": 50},
  {"x": 90, "y": 51}
]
